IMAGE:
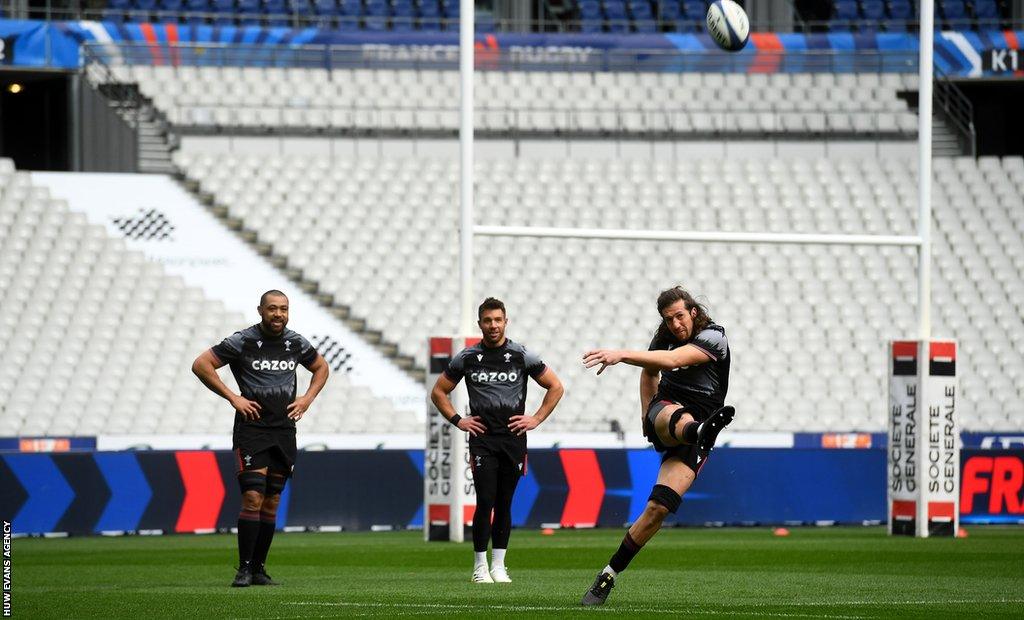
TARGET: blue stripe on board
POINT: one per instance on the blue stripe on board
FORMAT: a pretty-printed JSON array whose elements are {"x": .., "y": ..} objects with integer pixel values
[{"x": 129, "y": 491}]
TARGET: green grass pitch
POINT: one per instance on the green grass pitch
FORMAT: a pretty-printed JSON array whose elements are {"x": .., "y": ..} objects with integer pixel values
[{"x": 714, "y": 573}]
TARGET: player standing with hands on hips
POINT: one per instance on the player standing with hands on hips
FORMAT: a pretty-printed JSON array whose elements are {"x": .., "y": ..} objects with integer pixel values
[
  {"x": 495, "y": 371},
  {"x": 263, "y": 360},
  {"x": 683, "y": 382}
]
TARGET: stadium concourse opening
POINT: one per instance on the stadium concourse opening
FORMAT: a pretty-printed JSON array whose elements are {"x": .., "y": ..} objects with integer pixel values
[{"x": 35, "y": 119}]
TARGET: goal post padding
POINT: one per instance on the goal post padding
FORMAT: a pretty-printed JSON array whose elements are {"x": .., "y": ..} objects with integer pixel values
[
  {"x": 924, "y": 439},
  {"x": 448, "y": 494}
]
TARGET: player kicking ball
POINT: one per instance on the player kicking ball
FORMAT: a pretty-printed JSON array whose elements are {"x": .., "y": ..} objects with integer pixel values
[
  {"x": 263, "y": 360},
  {"x": 495, "y": 371},
  {"x": 683, "y": 382}
]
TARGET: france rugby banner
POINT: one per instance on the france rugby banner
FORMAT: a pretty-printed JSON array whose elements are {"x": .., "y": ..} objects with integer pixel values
[{"x": 995, "y": 53}]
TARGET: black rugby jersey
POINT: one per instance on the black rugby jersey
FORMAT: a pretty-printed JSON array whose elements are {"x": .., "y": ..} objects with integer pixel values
[
  {"x": 701, "y": 385},
  {"x": 496, "y": 381},
  {"x": 264, "y": 367}
]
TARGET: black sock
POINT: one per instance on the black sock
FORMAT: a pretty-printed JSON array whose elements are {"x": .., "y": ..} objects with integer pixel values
[
  {"x": 690, "y": 432},
  {"x": 263, "y": 540},
  {"x": 248, "y": 531},
  {"x": 627, "y": 550}
]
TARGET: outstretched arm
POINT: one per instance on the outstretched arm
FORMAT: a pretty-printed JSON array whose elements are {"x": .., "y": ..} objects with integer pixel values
[
  {"x": 439, "y": 396},
  {"x": 654, "y": 361},
  {"x": 205, "y": 367},
  {"x": 548, "y": 380}
]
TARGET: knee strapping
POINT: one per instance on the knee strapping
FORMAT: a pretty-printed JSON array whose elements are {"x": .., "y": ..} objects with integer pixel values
[
  {"x": 275, "y": 484},
  {"x": 673, "y": 421},
  {"x": 252, "y": 481},
  {"x": 665, "y": 496}
]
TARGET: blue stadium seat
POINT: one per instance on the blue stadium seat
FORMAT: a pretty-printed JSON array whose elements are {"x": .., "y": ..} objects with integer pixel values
[
  {"x": 845, "y": 15},
  {"x": 696, "y": 15},
  {"x": 873, "y": 9},
  {"x": 277, "y": 12},
  {"x": 451, "y": 10},
  {"x": 325, "y": 10},
  {"x": 615, "y": 13},
  {"x": 987, "y": 12},
  {"x": 168, "y": 11},
  {"x": 954, "y": 11},
  {"x": 900, "y": 12},
  {"x": 643, "y": 17},
  {"x": 249, "y": 12},
  {"x": 141, "y": 9},
  {"x": 224, "y": 12},
  {"x": 668, "y": 10},
  {"x": 376, "y": 14},
  {"x": 403, "y": 13},
  {"x": 430, "y": 15},
  {"x": 195, "y": 9},
  {"x": 590, "y": 11},
  {"x": 302, "y": 8}
]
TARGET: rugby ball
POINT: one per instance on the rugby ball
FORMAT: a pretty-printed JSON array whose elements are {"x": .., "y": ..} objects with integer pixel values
[{"x": 728, "y": 25}]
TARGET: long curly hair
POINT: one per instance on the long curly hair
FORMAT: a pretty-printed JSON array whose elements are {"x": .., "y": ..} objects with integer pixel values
[{"x": 670, "y": 296}]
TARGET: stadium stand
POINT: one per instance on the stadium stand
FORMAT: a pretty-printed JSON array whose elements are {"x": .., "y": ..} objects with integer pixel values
[
  {"x": 373, "y": 226},
  {"x": 555, "y": 102},
  {"x": 101, "y": 340},
  {"x": 589, "y": 16}
]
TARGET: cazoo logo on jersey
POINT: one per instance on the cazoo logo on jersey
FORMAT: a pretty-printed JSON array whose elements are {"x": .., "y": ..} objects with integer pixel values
[
  {"x": 273, "y": 364},
  {"x": 494, "y": 376}
]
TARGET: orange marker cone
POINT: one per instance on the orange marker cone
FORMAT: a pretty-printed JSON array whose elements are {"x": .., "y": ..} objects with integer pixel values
[{"x": 780, "y": 531}]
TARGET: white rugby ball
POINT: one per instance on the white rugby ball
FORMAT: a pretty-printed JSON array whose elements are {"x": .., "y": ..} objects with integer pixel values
[{"x": 728, "y": 25}]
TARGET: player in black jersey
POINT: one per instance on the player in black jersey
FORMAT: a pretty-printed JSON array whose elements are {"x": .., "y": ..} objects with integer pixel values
[
  {"x": 263, "y": 360},
  {"x": 683, "y": 382},
  {"x": 495, "y": 371}
]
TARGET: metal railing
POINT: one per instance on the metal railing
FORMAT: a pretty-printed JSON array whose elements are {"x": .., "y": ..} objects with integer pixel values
[
  {"x": 446, "y": 57},
  {"x": 957, "y": 109}
]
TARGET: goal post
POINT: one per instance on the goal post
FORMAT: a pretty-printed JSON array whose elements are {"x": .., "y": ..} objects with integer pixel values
[
  {"x": 924, "y": 439},
  {"x": 449, "y": 497}
]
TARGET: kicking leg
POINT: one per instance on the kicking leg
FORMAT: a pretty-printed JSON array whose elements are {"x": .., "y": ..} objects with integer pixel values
[
  {"x": 674, "y": 479},
  {"x": 674, "y": 426}
]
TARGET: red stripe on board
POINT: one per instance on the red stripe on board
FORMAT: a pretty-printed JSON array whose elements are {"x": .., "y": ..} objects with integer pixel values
[
  {"x": 441, "y": 346},
  {"x": 437, "y": 512},
  {"x": 942, "y": 349},
  {"x": 467, "y": 514},
  {"x": 939, "y": 510},
  {"x": 171, "y": 29},
  {"x": 768, "y": 52},
  {"x": 904, "y": 349},
  {"x": 475, "y": 340},
  {"x": 1011, "y": 40},
  {"x": 586, "y": 487},
  {"x": 204, "y": 491},
  {"x": 154, "y": 45},
  {"x": 902, "y": 508}
]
